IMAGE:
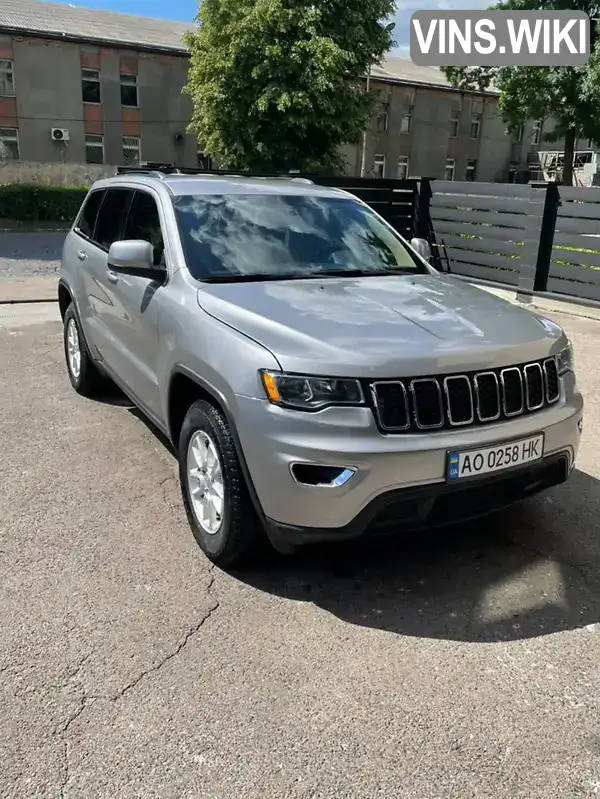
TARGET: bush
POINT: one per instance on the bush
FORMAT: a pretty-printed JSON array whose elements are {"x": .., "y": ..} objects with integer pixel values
[{"x": 31, "y": 203}]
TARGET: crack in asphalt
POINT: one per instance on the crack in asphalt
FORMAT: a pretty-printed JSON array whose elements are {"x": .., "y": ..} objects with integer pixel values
[
  {"x": 166, "y": 491},
  {"x": 153, "y": 669},
  {"x": 62, "y": 732},
  {"x": 85, "y": 700}
]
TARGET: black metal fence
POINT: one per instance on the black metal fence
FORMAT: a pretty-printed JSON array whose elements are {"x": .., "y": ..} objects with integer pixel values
[{"x": 537, "y": 238}]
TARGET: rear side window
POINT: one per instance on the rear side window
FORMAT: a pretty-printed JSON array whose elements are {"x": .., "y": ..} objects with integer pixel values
[
  {"x": 143, "y": 223},
  {"x": 86, "y": 222},
  {"x": 112, "y": 215}
]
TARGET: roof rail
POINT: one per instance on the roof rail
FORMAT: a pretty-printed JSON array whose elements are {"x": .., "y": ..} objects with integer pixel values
[
  {"x": 163, "y": 170},
  {"x": 222, "y": 173},
  {"x": 156, "y": 170}
]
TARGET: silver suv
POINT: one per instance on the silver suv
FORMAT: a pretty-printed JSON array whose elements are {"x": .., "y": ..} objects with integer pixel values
[{"x": 318, "y": 378}]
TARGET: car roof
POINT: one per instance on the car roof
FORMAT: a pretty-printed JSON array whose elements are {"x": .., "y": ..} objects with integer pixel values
[{"x": 181, "y": 184}]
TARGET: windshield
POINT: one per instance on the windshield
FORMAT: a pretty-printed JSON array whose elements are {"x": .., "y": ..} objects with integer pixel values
[{"x": 273, "y": 236}]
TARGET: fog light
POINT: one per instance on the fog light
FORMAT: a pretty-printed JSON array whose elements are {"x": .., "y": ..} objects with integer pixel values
[{"x": 315, "y": 475}]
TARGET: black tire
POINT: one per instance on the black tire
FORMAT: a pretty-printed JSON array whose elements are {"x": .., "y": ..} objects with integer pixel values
[
  {"x": 88, "y": 382},
  {"x": 239, "y": 536}
]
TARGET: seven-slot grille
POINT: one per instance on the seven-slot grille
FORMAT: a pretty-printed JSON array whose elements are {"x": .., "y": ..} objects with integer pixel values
[{"x": 436, "y": 403}]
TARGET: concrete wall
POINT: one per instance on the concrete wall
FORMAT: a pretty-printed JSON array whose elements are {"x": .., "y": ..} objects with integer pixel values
[
  {"x": 48, "y": 90},
  {"x": 47, "y": 77},
  {"x": 495, "y": 146}
]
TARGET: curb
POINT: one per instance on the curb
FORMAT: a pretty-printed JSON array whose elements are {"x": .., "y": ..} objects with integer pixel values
[
  {"x": 29, "y": 301},
  {"x": 38, "y": 289}
]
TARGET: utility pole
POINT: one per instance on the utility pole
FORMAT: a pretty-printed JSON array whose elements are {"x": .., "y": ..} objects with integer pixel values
[{"x": 363, "y": 162}]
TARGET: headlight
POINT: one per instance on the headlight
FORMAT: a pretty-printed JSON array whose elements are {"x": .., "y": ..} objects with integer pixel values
[
  {"x": 566, "y": 360},
  {"x": 310, "y": 393}
]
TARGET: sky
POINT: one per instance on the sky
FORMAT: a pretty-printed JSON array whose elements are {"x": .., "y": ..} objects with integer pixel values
[{"x": 185, "y": 10}]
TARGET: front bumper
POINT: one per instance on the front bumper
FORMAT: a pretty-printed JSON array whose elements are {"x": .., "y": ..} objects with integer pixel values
[
  {"x": 433, "y": 505},
  {"x": 398, "y": 479}
]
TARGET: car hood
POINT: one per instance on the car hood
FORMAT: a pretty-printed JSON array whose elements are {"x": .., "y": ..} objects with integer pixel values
[{"x": 381, "y": 326}]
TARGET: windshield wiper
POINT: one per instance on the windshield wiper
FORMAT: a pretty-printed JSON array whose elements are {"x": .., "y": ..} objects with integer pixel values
[
  {"x": 393, "y": 270},
  {"x": 252, "y": 278},
  {"x": 259, "y": 277}
]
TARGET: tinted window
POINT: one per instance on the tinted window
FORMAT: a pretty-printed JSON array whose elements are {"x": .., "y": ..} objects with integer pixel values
[
  {"x": 87, "y": 218},
  {"x": 143, "y": 222},
  {"x": 112, "y": 213},
  {"x": 240, "y": 235}
]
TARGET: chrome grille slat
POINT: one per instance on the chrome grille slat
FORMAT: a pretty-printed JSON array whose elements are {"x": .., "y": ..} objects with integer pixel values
[
  {"x": 374, "y": 393},
  {"x": 551, "y": 380},
  {"x": 477, "y": 380},
  {"x": 414, "y": 388},
  {"x": 504, "y": 376},
  {"x": 533, "y": 371},
  {"x": 470, "y": 415},
  {"x": 421, "y": 404}
]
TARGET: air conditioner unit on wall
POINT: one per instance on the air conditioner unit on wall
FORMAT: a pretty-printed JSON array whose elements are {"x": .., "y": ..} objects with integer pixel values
[{"x": 59, "y": 134}]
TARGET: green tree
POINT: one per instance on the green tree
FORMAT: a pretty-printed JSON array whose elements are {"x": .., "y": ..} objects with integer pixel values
[
  {"x": 279, "y": 84},
  {"x": 568, "y": 95}
]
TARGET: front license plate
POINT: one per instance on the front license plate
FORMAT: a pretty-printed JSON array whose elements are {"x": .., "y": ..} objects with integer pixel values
[{"x": 473, "y": 462}]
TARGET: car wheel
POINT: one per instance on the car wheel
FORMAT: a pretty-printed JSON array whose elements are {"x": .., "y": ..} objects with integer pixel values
[
  {"x": 215, "y": 495},
  {"x": 83, "y": 373}
]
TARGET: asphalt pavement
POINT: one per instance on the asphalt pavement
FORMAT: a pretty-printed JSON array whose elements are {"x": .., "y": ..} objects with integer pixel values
[
  {"x": 27, "y": 255},
  {"x": 461, "y": 664}
]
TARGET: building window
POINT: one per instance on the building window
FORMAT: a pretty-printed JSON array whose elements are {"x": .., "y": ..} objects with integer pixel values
[
  {"x": 518, "y": 135},
  {"x": 537, "y": 133},
  {"x": 131, "y": 150},
  {"x": 9, "y": 144},
  {"x": 471, "y": 167},
  {"x": 454, "y": 122},
  {"x": 402, "y": 167},
  {"x": 406, "y": 121},
  {"x": 7, "y": 78},
  {"x": 590, "y": 144},
  {"x": 382, "y": 118},
  {"x": 449, "y": 170},
  {"x": 475, "y": 126},
  {"x": 94, "y": 148},
  {"x": 90, "y": 85},
  {"x": 379, "y": 166},
  {"x": 129, "y": 91}
]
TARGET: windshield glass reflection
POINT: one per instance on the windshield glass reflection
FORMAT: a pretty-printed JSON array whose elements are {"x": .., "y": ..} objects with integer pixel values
[{"x": 273, "y": 236}]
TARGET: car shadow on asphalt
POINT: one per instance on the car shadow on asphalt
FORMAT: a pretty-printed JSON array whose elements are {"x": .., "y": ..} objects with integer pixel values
[
  {"x": 115, "y": 397},
  {"x": 523, "y": 573},
  {"x": 529, "y": 571}
]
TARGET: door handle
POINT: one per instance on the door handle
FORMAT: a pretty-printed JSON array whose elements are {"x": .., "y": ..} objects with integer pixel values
[
  {"x": 112, "y": 276},
  {"x": 82, "y": 255}
]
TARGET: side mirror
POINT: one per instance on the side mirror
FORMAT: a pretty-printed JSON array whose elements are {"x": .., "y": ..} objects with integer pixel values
[
  {"x": 134, "y": 255},
  {"x": 421, "y": 246}
]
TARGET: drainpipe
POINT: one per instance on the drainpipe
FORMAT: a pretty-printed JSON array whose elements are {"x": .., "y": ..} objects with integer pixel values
[{"x": 363, "y": 162}]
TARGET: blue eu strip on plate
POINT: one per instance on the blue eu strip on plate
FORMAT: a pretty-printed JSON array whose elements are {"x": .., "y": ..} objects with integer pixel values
[{"x": 453, "y": 460}]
